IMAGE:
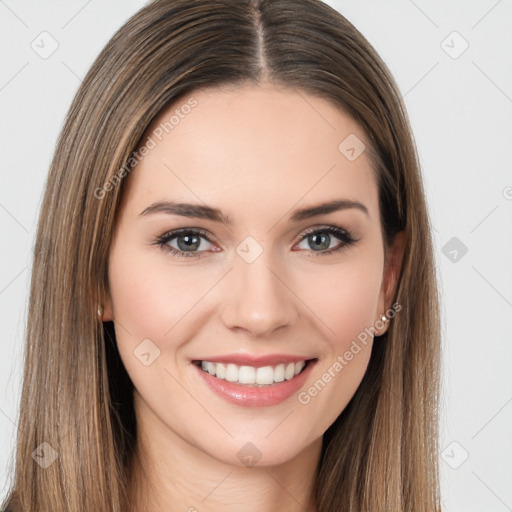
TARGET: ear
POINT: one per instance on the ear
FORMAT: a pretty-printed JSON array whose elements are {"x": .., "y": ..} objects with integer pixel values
[
  {"x": 392, "y": 270},
  {"x": 106, "y": 306}
]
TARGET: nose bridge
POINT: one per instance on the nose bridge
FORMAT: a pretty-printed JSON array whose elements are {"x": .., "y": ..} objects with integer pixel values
[{"x": 258, "y": 300}]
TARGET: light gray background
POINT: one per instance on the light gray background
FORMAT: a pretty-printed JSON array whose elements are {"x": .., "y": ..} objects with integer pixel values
[{"x": 461, "y": 113}]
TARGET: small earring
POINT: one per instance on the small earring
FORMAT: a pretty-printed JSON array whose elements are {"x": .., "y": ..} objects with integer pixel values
[
  {"x": 384, "y": 319},
  {"x": 100, "y": 312}
]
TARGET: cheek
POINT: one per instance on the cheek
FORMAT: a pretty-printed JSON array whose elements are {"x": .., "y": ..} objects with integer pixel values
[
  {"x": 344, "y": 298},
  {"x": 345, "y": 303},
  {"x": 149, "y": 296},
  {"x": 152, "y": 306}
]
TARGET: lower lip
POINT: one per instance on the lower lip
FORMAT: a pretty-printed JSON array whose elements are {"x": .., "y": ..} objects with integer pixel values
[{"x": 255, "y": 396}]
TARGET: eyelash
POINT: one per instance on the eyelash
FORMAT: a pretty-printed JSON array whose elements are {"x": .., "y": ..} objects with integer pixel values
[{"x": 343, "y": 235}]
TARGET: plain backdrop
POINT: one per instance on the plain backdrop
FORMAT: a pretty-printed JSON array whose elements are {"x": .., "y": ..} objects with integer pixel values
[{"x": 452, "y": 62}]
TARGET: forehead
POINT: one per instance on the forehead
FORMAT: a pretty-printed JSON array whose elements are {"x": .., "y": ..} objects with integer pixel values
[{"x": 250, "y": 146}]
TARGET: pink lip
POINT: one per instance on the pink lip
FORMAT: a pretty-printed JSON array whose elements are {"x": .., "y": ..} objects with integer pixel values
[
  {"x": 256, "y": 361},
  {"x": 254, "y": 396}
]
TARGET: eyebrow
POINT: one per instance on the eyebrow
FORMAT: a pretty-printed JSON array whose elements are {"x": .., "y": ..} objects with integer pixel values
[{"x": 214, "y": 214}]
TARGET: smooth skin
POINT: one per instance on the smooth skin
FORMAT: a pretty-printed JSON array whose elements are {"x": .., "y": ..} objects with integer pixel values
[{"x": 257, "y": 153}]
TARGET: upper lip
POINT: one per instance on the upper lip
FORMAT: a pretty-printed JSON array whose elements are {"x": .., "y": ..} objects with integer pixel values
[{"x": 256, "y": 361}]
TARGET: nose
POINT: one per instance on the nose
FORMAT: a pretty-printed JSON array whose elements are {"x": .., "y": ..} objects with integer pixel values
[{"x": 257, "y": 298}]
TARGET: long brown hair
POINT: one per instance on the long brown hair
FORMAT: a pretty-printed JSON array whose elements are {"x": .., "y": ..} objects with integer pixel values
[{"x": 381, "y": 453}]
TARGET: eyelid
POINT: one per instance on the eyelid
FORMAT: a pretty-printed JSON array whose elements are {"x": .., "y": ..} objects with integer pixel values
[
  {"x": 345, "y": 236},
  {"x": 173, "y": 233},
  {"x": 325, "y": 227}
]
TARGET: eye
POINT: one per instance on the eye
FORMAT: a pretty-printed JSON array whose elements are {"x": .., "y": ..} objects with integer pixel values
[
  {"x": 192, "y": 243},
  {"x": 185, "y": 243},
  {"x": 320, "y": 240}
]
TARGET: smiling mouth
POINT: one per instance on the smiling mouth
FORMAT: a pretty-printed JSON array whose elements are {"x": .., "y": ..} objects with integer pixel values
[{"x": 252, "y": 376}]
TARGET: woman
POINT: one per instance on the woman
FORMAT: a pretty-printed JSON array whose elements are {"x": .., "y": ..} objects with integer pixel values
[{"x": 233, "y": 301}]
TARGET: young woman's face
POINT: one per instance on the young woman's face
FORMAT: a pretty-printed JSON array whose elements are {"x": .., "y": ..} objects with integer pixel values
[{"x": 277, "y": 281}]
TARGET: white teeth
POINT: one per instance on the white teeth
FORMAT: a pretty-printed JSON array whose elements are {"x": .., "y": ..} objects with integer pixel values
[
  {"x": 265, "y": 375},
  {"x": 221, "y": 370},
  {"x": 249, "y": 375},
  {"x": 209, "y": 367},
  {"x": 231, "y": 373},
  {"x": 279, "y": 373},
  {"x": 290, "y": 371}
]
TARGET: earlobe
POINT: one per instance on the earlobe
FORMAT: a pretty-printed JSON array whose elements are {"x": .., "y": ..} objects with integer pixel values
[
  {"x": 106, "y": 315},
  {"x": 105, "y": 309},
  {"x": 382, "y": 325}
]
